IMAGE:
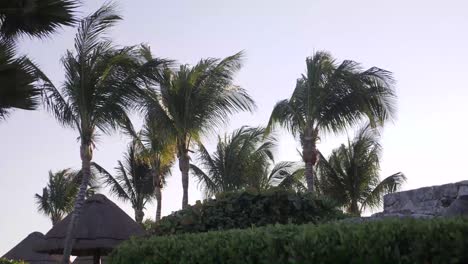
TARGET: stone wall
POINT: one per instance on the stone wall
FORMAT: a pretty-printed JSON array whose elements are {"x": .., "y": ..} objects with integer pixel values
[{"x": 423, "y": 202}]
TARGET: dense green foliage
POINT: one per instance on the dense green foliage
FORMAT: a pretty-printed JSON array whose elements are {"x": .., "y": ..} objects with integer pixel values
[
  {"x": 247, "y": 209},
  {"x": 390, "y": 241},
  {"x": 8, "y": 261}
]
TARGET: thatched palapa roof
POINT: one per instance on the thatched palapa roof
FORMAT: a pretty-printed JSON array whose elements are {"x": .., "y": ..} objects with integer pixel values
[
  {"x": 25, "y": 251},
  {"x": 101, "y": 227}
]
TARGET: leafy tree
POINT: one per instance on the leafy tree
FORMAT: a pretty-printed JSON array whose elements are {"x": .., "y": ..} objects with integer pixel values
[
  {"x": 242, "y": 160},
  {"x": 133, "y": 181},
  {"x": 331, "y": 97},
  {"x": 33, "y": 18},
  {"x": 59, "y": 195},
  {"x": 193, "y": 100},
  {"x": 350, "y": 176},
  {"x": 101, "y": 83}
]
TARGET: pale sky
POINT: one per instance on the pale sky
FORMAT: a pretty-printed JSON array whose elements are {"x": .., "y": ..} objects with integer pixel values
[{"x": 424, "y": 43}]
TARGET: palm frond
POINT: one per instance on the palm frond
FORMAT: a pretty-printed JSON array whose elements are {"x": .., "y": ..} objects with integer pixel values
[
  {"x": 388, "y": 185},
  {"x": 36, "y": 18},
  {"x": 17, "y": 80}
]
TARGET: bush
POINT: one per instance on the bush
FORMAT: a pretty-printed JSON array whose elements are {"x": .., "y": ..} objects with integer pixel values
[
  {"x": 390, "y": 241},
  {"x": 8, "y": 261},
  {"x": 247, "y": 209}
]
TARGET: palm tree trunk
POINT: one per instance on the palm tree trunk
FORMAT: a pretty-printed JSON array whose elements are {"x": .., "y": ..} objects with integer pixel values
[
  {"x": 184, "y": 163},
  {"x": 354, "y": 208},
  {"x": 309, "y": 155},
  {"x": 139, "y": 215},
  {"x": 86, "y": 156},
  {"x": 158, "y": 195}
]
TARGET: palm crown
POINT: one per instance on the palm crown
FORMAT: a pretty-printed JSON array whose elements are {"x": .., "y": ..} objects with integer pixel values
[
  {"x": 330, "y": 97},
  {"x": 244, "y": 159},
  {"x": 351, "y": 174},
  {"x": 133, "y": 181},
  {"x": 193, "y": 100}
]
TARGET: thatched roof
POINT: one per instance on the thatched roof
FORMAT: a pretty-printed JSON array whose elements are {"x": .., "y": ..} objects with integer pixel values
[
  {"x": 24, "y": 251},
  {"x": 88, "y": 260},
  {"x": 101, "y": 227}
]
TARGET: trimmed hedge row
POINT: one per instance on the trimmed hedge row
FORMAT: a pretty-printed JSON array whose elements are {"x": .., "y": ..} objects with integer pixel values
[
  {"x": 246, "y": 209},
  {"x": 389, "y": 241},
  {"x": 8, "y": 261}
]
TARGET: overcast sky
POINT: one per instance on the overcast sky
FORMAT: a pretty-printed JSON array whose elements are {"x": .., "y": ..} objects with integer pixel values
[{"x": 424, "y": 43}]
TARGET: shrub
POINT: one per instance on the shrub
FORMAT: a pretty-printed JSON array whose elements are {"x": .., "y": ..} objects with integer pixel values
[
  {"x": 247, "y": 209},
  {"x": 390, "y": 241},
  {"x": 8, "y": 261}
]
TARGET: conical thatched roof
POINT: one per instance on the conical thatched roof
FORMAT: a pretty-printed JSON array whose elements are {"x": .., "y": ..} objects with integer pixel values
[
  {"x": 88, "y": 260},
  {"x": 101, "y": 227},
  {"x": 25, "y": 251}
]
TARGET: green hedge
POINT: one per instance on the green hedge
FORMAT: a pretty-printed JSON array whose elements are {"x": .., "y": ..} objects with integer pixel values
[
  {"x": 389, "y": 241},
  {"x": 7, "y": 261},
  {"x": 247, "y": 209}
]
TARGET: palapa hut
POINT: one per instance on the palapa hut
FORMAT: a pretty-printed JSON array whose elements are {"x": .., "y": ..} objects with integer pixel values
[
  {"x": 101, "y": 227},
  {"x": 25, "y": 251}
]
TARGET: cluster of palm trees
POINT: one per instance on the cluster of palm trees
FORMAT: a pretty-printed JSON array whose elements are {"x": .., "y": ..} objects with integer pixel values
[{"x": 180, "y": 104}]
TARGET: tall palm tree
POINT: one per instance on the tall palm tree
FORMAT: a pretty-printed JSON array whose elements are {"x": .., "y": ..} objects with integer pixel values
[
  {"x": 58, "y": 196},
  {"x": 101, "y": 83},
  {"x": 193, "y": 100},
  {"x": 159, "y": 150},
  {"x": 133, "y": 181},
  {"x": 242, "y": 160},
  {"x": 350, "y": 176},
  {"x": 329, "y": 98},
  {"x": 34, "y": 18}
]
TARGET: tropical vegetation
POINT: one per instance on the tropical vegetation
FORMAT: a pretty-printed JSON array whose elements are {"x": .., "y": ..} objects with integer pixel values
[
  {"x": 350, "y": 176},
  {"x": 101, "y": 82},
  {"x": 132, "y": 182},
  {"x": 391, "y": 241},
  {"x": 159, "y": 151},
  {"x": 58, "y": 196},
  {"x": 329, "y": 98},
  {"x": 245, "y": 209},
  {"x": 243, "y": 160},
  {"x": 193, "y": 100},
  {"x": 32, "y": 18},
  {"x": 180, "y": 105}
]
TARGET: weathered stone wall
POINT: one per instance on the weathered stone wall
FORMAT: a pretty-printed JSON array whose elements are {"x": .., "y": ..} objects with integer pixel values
[{"x": 423, "y": 202}]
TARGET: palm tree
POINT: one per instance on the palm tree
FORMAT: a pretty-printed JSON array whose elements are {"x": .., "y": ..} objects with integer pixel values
[
  {"x": 193, "y": 100},
  {"x": 101, "y": 83},
  {"x": 34, "y": 18},
  {"x": 59, "y": 195},
  {"x": 329, "y": 98},
  {"x": 159, "y": 149},
  {"x": 133, "y": 181},
  {"x": 350, "y": 176},
  {"x": 242, "y": 160}
]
